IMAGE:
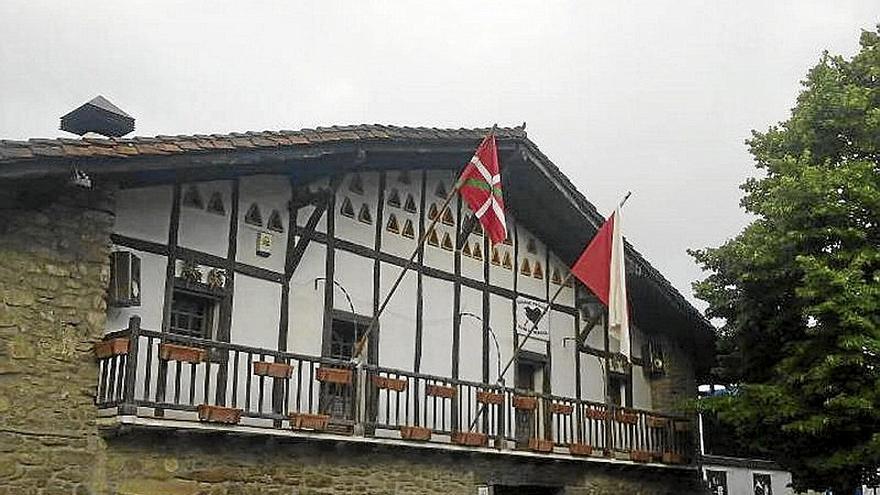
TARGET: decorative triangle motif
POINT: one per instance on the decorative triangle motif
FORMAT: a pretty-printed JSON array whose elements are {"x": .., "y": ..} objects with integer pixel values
[
  {"x": 275, "y": 223},
  {"x": 364, "y": 214},
  {"x": 525, "y": 268},
  {"x": 346, "y": 210},
  {"x": 555, "y": 277},
  {"x": 403, "y": 178},
  {"x": 496, "y": 259},
  {"x": 478, "y": 229},
  {"x": 253, "y": 216},
  {"x": 192, "y": 198},
  {"x": 215, "y": 204},
  {"x": 357, "y": 184},
  {"x": 410, "y": 204},
  {"x": 508, "y": 240},
  {"x": 507, "y": 263},
  {"x": 466, "y": 250},
  {"x": 432, "y": 211},
  {"x": 392, "y": 225},
  {"x": 394, "y": 198},
  {"x": 538, "y": 271},
  {"x": 478, "y": 251},
  {"x": 448, "y": 219},
  {"x": 440, "y": 190},
  {"x": 408, "y": 230},
  {"x": 530, "y": 246},
  {"x": 432, "y": 238},
  {"x": 447, "y": 242}
]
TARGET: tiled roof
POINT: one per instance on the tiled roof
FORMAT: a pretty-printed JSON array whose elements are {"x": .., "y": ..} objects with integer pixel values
[{"x": 75, "y": 148}]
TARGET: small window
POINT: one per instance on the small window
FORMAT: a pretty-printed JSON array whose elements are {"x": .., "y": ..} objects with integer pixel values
[
  {"x": 525, "y": 268},
  {"x": 507, "y": 262},
  {"x": 433, "y": 240},
  {"x": 432, "y": 211},
  {"x": 555, "y": 277},
  {"x": 215, "y": 204},
  {"x": 508, "y": 240},
  {"x": 410, "y": 204},
  {"x": 394, "y": 198},
  {"x": 448, "y": 219},
  {"x": 447, "y": 242},
  {"x": 617, "y": 390},
  {"x": 762, "y": 484},
  {"x": 496, "y": 258},
  {"x": 346, "y": 210},
  {"x": 717, "y": 481},
  {"x": 530, "y": 246},
  {"x": 478, "y": 229},
  {"x": 392, "y": 225},
  {"x": 403, "y": 178},
  {"x": 408, "y": 230},
  {"x": 356, "y": 185},
  {"x": 192, "y": 198},
  {"x": 466, "y": 250},
  {"x": 192, "y": 315},
  {"x": 440, "y": 190},
  {"x": 538, "y": 271},
  {"x": 254, "y": 216},
  {"x": 364, "y": 216},
  {"x": 275, "y": 223},
  {"x": 477, "y": 251}
]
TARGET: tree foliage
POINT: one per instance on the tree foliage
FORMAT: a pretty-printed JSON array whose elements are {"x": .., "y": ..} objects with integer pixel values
[{"x": 798, "y": 289}]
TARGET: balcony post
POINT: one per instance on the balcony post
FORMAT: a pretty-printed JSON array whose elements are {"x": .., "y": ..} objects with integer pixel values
[
  {"x": 128, "y": 406},
  {"x": 360, "y": 403}
]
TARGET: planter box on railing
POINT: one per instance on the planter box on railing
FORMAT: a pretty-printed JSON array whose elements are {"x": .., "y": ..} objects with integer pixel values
[
  {"x": 303, "y": 421},
  {"x": 525, "y": 402},
  {"x": 539, "y": 445},
  {"x": 112, "y": 347},
  {"x": 657, "y": 422},
  {"x": 275, "y": 370},
  {"x": 641, "y": 456},
  {"x": 580, "y": 449},
  {"x": 470, "y": 438},
  {"x": 334, "y": 375},
  {"x": 673, "y": 458},
  {"x": 681, "y": 425},
  {"x": 415, "y": 433},
  {"x": 175, "y": 352},
  {"x": 219, "y": 414},
  {"x": 489, "y": 397},
  {"x": 625, "y": 417},
  {"x": 389, "y": 383},
  {"x": 563, "y": 409},
  {"x": 440, "y": 391},
  {"x": 597, "y": 414}
]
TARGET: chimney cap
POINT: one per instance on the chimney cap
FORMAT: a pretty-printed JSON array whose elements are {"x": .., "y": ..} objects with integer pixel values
[{"x": 100, "y": 116}]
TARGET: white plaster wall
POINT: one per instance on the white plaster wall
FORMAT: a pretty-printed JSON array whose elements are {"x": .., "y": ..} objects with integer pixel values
[
  {"x": 355, "y": 274},
  {"x": 641, "y": 384},
  {"x": 592, "y": 382},
  {"x": 144, "y": 213},
  {"x": 740, "y": 480},
  {"x": 202, "y": 230},
  {"x": 470, "y": 362},
  {"x": 152, "y": 295},
  {"x": 305, "y": 212},
  {"x": 255, "y": 312},
  {"x": 397, "y": 329},
  {"x": 437, "y": 327},
  {"x": 396, "y": 243},
  {"x": 305, "y": 330},
  {"x": 269, "y": 192},
  {"x": 562, "y": 376},
  {"x": 352, "y": 229},
  {"x": 501, "y": 321},
  {"x": 437, "y": 257},
  {"x": 528, "y": 284}
]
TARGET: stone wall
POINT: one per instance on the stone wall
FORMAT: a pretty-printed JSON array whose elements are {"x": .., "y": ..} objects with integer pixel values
[
  {"x": 670, "y": 391},
  {"x": 54, "y": 245}
]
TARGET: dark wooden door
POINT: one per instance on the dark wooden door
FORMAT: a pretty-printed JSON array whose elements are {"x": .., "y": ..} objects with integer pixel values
[{"x": 525, "y": 420}]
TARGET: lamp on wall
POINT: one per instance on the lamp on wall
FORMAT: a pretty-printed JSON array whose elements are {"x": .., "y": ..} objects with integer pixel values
[{"x": 494, "y": 338}]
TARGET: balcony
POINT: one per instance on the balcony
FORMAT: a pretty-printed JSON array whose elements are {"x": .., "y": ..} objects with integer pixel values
[{"x": 164, "y": 380}]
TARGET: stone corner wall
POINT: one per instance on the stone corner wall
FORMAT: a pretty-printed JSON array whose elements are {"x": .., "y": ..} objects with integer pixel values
[
  {"x": 54, "y": 246},
  {"x": 678, "y": 384}
]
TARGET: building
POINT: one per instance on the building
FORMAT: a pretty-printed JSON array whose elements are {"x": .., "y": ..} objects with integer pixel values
[{"x": 180, "y": 313}]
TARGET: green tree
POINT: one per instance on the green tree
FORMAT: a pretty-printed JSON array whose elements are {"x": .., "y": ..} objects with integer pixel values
[{"x": 798, "y": 290}]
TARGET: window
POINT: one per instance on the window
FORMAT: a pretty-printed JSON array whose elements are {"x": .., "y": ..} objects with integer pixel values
[
  {"x": 356, "y": 185},
  {"x": 346, "y": 210},
  {"x": 364, "y": 215},
  {"x": 616, "y": 390},
  {"x": 394, "y": 198},
  {"x": 717, "y": 482},
  {"x": 392, "y": 225},
  {"x": 408, "y": 230},
  {"x": 192, "y": 315},
  {"x": 254, "y": 216},
  {"x": 275, "y": 222},
  {"x": 762, "y": 484},
  {"x": 410, "y": 205},
  {"x": 215, "y": 204},
  {"x": 192, "y": 198}
]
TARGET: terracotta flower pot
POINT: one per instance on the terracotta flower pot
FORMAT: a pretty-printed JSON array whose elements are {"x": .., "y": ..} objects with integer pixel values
[
  {"x": 440, "y": 391},
  {"x": 657, "y": 422},
  {"x": 303, "y": 421},
  {"x": 275, "y": 370},
  {"x": 334, "y": 375},
  {"x": 580, "y": 449},
  {"x": 539, "y": 445},
  {"x": 641, "y": 456},
  {"x": 564, "y": 409},
  {"x": 597, "y": 414},
  {"x": 389, "y": 383},
  {"x": 470, "y": 438},
  {"x": 489, "y": 397},
  {"x": 626, "y": 417},
  {"x": 219, "y": 414},
  {"x": 525, "y": 402},
  {"x": 415, "y": 433},
  {"x": 112, "y": 347},
  {"x": 175, "y": 352},
  {"x": 681, "y": 425}
]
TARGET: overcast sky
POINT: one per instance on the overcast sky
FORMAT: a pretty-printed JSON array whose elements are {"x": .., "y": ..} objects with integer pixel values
[{"x": 653, "y": 96}]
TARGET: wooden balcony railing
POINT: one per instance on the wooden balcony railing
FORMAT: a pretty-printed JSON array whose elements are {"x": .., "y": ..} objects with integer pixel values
[{"x": 154, "y": 374}]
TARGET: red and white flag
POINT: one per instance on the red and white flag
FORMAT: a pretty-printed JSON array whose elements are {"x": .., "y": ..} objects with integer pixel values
[
  {"x": 601, "y": 268},
  {"x": 480, "y": 187}
]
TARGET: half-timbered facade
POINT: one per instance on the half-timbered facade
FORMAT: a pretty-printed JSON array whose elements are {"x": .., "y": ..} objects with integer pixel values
[{"x": 244, "y": 268}]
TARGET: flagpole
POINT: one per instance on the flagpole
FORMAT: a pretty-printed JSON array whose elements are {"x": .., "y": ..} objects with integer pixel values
[
  {"x": 532, "y": 330},
  {"x": 410, "y": 262}
]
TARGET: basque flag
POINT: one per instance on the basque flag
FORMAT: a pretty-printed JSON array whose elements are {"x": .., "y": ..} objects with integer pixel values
[{"x": 480, "y": 187}]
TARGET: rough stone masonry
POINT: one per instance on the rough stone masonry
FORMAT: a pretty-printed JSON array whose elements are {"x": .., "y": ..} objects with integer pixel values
[{"x": 54, "y": 269}]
